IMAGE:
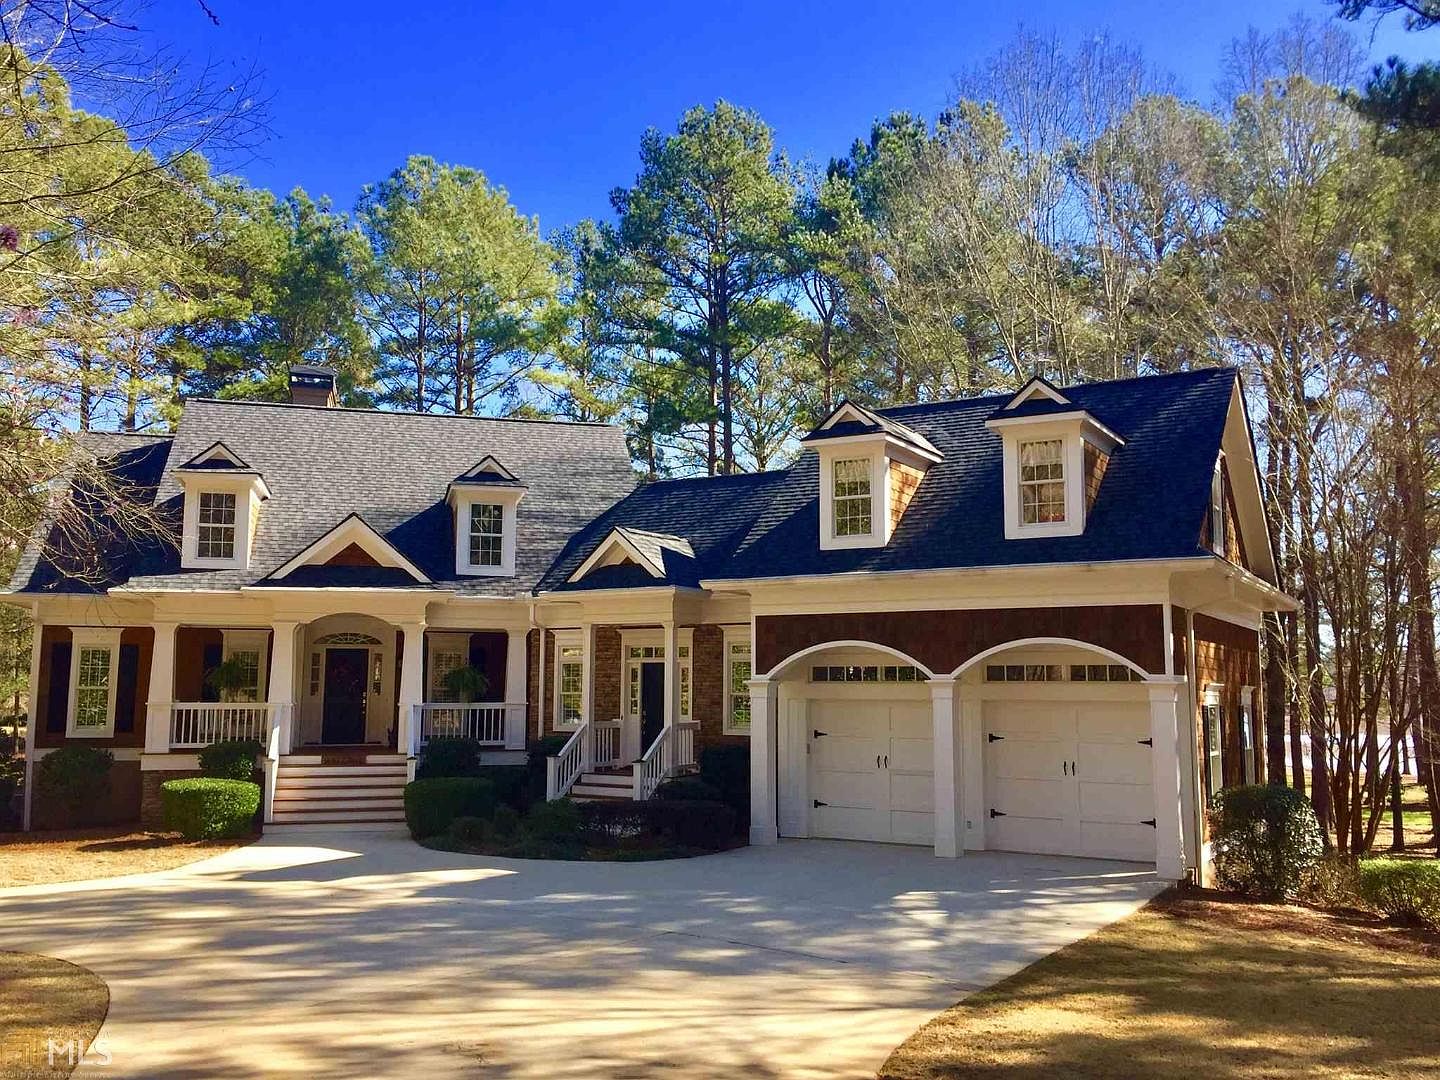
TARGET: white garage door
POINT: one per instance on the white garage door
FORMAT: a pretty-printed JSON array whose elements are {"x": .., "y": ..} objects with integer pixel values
[
  {"x": 1067, "y": 778},
  {"x": 871, "y": 771}
]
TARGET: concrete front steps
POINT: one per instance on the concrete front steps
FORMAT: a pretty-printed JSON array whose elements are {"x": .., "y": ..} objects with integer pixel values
[
  {"x": 605, "y": 787},
  {"x": 356, "y": 792}
]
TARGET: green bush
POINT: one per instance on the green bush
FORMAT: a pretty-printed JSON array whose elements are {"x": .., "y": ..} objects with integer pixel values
[
  {"x": 207, "y": 808},
  {"x": 708, "y": 826},
  {"x": 1266, "y": 840},
  {"x": 688, "y": 789},
  {"x": 449, "y": 757},
  {"x": 682, "y": 823},
  {"x": 727, "y": 769},
  {"x": 432, "y": 804},
  {"x": 12, "y": 777},
  {"x": 1406, "y": 890},
  {"x": 230, "y": 759},
  {"x": 1331, "y": 882},
  {"x": 505, "y": 825},
  {"x": 512, "y": 785},
  {"x": 557, "y": 820},
  {"x": 470, "y": 831},
  {"x": 77, "y": 779}
]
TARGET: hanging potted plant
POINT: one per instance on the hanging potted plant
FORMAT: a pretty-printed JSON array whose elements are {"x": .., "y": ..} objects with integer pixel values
[
  {"x": 231, "y": 680},
  {"x": 466, "y": 684}
]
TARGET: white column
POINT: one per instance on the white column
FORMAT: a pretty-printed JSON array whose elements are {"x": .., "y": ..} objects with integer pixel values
[
  {"x": 587, "y": 694},
  {"x": 162, "y": 689},
  {"x": 282, "y": 683},
  {"x": 1166, "y": 694},
  {"x": 764, "y": 827},
  {"x": 516, "y": 688},
  {"x": 949, "y": 820},
  {"x": 36, "y": 721},
  {"x": 672, "y": 674},
  {"x": 412, "y": 686},
  {"x": 971, "y": 770}
]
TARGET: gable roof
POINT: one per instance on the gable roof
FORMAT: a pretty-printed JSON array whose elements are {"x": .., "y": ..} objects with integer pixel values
[
  {"x": 848, "y": 419},
  {"x": 216, "y": 456},
  {"x": 1171, "y": 426},
  {"x": 393, "y": 470},
  {"x": 659, "y": 554},
  {"x": 353, "y": 530}
]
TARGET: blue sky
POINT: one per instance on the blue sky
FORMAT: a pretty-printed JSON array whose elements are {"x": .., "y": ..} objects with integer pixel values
[{"x": 550, "y": 98}]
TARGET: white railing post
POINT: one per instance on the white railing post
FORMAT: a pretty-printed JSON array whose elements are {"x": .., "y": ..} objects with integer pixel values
[
  {"x": 552, "y": 778},
  {"x": 273, "y": 745}
]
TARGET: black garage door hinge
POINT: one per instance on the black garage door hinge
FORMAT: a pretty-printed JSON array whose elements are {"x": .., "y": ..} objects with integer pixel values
[
  {"x": 817, "y": 803},
  {"x": 997, "y": 813},
  {"x": 1149, "y": 821},
  {"x": 992, "y": 737},
  {"x": 1146, "y": 742},
  {"x": 821, "y": 734}
]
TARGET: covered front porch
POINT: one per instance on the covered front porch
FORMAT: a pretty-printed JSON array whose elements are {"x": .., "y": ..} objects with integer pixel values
[{"x": 339, "y": 681}]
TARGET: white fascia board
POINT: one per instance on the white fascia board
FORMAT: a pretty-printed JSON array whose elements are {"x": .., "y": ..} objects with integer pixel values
[
  {"x": 616, "y": 538},
  {"x": 1036, "y": 386},
  {"x": 1075, "y": 416},
  {"x": 894, "y": 447},
  {"x": 353, "y": 530}
]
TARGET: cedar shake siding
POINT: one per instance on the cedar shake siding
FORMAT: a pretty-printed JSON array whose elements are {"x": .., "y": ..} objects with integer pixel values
[
  {"x": 1234, "y": 542},
  {"x": 904, "y": 480},
  {"x": 132, "y": 689},
  {"x": 943, "y": 640},
  {"x": 1095, "y": 462},
  {"x": 1230, "y": 656}
]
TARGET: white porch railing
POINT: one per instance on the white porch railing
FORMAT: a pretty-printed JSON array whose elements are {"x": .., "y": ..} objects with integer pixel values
[
  {"x": 605, "y": 751},
  {"x": 571, "y": 763},
  {"x": 492, "y": 724},
  {"x": 195, "y": 724},
  {"x": 672, "y": 751}
]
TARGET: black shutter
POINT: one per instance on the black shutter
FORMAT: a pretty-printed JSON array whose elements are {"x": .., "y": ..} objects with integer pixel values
[
  {"x": 209, "y": 661},
  {"x": 125, "y": 681},
  {"x": 58, "y": 695}
]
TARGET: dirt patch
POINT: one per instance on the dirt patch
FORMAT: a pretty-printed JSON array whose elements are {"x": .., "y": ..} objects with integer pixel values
[{"x": 42, "y": 858}]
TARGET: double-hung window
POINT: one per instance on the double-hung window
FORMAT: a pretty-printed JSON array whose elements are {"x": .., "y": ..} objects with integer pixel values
[
  {"x": 569, "y": 681},
  {"x": 851, "y": 501},
  {"x": 487, "y": 524},
  {"x": 93, "y": 675},
  {"x": 1214, "y": 714},
  {"x": 1042, "y": 482},
  {"x": 737, "y": 688},
  {"x": 216, "y": 536}
]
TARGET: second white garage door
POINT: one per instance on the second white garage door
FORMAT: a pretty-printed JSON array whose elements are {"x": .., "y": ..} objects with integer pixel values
[
  {"x": 871, "y": 771},
  {"x": 1068, "y": 778}
]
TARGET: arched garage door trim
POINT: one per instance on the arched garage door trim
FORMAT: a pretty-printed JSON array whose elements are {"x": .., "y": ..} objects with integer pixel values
[
  {"x": 781, "y": 669},
  {"x": 1074, "y": 643}
]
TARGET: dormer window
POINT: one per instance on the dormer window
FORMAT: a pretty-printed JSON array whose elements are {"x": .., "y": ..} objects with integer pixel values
[
  {"x": 486, "y": 501},
  {"x": 1055, "y": 457},
  {"x": 871, "y": 466},
  {"x": 1042, "y": 481},
  {"x": 852, "y": 513},
  {"x": 215, "y": 538},
  {"x": 223, "y": 496},
  {"x": 487, "y": 533}
]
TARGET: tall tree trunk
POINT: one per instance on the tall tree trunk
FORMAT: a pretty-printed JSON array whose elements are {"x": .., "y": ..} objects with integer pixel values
[
  {"x": 1410, "y": 485},
  {"x": 1298, "y": 779},
  {"x": 1274, "y": 699}
]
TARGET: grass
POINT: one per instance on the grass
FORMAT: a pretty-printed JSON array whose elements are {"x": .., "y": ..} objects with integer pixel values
[
  {"x": 46, "y": 1004},
  {"x": 43, "y": 858},
  {"x": 1201, "y": 985}
]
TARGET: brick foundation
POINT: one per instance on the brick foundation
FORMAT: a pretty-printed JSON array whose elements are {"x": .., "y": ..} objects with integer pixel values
[{"x": 152, "y": 812}]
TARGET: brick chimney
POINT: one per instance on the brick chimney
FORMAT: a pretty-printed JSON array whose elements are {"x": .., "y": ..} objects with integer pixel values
[{"x": 312, "y": 385}]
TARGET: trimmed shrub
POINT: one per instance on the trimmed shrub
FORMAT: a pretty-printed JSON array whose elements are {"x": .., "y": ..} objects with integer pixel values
[
  {"x": 449, "y": 757},
  {"x": 511, "y": 783},
  {"x": 1266, "y": 839},
  {"x": 208, "y": 808},
  {"x": 470, "y": 831},
  {"x": 12, "y": 778},
  {"x": 683, "y": 823},
  {"x": 432, "y": 804},
  {"x": 77, "y": 779},
  {"x": 727, "y": 769},
  {"x": 688, "y": 789},
  {"x": 535, "y": 754},
  {"x": 506, "y": 823},
  {"x": 557, "y": 820},
  {"x": 230, "y": 759},
  {"x": 1406, "y": 890}
]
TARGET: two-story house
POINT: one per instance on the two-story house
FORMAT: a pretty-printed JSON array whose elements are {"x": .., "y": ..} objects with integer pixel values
[{"x": 1026, "y": 622}]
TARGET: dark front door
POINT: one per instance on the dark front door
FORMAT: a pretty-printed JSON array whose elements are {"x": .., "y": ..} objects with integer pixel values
[
  {"x": 346, "y": 672},
  {"x": 652, "y": 703}
]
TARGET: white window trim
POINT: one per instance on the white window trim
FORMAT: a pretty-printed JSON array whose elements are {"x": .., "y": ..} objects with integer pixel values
[
  {"x": 632, "y": 638},
  {"x": 508, "y": 499},
  {"x": 247, "y": 491},
  {"x": 81, "y": 638},
  {"x": 256, "y": 641},
  {"x": 442, "y": 642},
  {"x": 732, "y": 636},
  {"x": 879, "y": 532},
  {"x": 1247, "y": 720},
  {"x": 1074, "y": 430},
  {"x": 567, "y": 639},
  {"x": 1213, "y": 698},
  {"x": 1217, "y": 508}
]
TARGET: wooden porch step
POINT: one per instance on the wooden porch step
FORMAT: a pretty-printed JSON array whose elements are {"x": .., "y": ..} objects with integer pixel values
[
  {"x": 339, "y": 774},
  {"x": 339, "y": 824}
]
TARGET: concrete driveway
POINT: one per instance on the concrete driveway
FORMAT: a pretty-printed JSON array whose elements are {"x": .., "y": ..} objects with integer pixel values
[{"x": 353, "y": 955}]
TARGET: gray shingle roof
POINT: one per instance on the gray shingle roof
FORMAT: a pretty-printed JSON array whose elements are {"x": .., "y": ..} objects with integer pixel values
[{"x": 394, "y": 468}]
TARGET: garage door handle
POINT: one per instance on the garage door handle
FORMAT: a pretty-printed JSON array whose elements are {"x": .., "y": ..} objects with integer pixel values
[
  {"x": 1065, "y": 766},
  {"x": 877, "y": 761},
  {"x": 887, "y": 761}
]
